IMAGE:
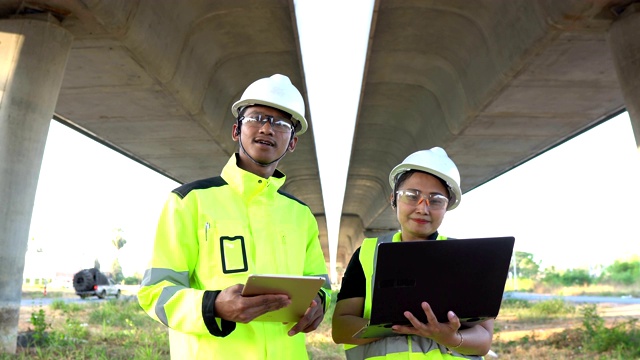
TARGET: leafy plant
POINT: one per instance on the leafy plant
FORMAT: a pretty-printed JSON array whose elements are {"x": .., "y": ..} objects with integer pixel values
[
  {"x": 621, "y": 338},
  {"x": 40, "y": 326},
  {"x": 553, "y": 307}
]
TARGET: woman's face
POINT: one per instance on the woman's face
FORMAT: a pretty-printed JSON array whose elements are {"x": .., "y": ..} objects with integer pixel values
[{"x": 418, "y": 221}]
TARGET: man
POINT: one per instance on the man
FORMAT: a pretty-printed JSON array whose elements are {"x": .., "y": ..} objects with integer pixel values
[{"x": 213, "y": 233}]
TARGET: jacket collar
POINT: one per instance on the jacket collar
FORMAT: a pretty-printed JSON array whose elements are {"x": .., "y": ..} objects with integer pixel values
[{"x": 247, "y": 183}]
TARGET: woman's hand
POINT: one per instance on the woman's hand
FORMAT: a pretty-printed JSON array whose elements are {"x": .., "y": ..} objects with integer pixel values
[{"x": 443, "y": 333}]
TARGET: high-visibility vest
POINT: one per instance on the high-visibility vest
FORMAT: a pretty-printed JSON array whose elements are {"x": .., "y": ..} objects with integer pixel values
[
  {"x": 211, "y": 235},
  {"x": 394, "y": 347}
]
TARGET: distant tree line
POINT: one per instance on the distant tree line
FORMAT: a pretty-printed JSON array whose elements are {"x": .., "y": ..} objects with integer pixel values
[{"x": 621, "y": 272}]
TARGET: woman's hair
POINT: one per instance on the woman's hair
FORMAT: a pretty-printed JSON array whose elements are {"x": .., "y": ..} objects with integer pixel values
[{"x": 403, "y": 176}]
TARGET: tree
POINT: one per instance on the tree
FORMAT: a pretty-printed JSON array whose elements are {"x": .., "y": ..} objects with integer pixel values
[
  {"x": 624, "y": 272},
  {"x": 116, "y": 271},
  {"x": 526, "y": 266},
  {"x": 118, "y": 242}
]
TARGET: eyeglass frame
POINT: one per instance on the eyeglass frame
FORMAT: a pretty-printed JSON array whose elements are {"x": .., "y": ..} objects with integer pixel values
[
  {"x": 262, "y": 120},
  {"x": 427, "y": 198}
]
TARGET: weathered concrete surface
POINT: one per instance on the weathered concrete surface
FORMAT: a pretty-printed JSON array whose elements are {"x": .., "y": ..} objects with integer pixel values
[
  {"x": 33, "y": 54},
  {"x": 624, "y": 38}
]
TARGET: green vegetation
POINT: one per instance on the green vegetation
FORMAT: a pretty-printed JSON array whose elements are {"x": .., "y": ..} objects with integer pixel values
[
  {"x": 114, "y": 329},
  {"x": 551, "y": 329},
  {"x": 591, "y": 338},
  {"x": 620, "y": 273},
  {"x": 119, "y": 329}
]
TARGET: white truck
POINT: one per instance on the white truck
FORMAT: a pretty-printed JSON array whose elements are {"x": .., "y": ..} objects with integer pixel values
[{"x": 91, "y": 282}]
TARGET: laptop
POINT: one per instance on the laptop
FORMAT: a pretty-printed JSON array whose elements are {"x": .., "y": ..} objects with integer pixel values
[{"x": 466, "y": 276}]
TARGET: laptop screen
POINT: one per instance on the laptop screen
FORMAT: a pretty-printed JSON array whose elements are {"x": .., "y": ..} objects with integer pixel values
[{"x": 466, "y": 276}]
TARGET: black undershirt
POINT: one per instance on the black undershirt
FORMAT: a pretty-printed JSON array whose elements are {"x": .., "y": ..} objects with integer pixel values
[{"x": 354, "y": 282}]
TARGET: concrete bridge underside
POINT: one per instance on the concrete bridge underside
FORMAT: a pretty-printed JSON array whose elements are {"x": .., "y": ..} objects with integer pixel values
[{"x": 494, "y": 82}]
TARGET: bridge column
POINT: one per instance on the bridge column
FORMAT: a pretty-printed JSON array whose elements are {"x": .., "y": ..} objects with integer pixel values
[
  {"x": 33, "y": 55},
  {"x": 351, "y": 236},
  {"x": 624, "y": 40}
]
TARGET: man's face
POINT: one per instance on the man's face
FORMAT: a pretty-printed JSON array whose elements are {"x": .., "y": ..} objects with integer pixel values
[{"x": 264, "y": 143}]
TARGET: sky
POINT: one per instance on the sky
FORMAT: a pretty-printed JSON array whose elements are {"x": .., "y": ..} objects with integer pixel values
[
  {"x": 570, "y": 207},
  {"x": 573, "y": 206}
]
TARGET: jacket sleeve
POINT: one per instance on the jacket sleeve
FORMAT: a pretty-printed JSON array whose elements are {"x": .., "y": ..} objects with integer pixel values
[
  {"x": 315, "y": 264},
  {"x": 165, "y": 293}
]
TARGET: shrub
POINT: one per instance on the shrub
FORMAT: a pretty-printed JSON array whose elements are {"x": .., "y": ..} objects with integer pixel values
[
  {"x": 621, "y": 338},
  {"x": 553, "y": 307},
  {"x": 623, "y": 272}
]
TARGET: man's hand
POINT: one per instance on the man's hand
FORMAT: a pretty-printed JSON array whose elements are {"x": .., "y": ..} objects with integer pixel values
[
  {"x": 232, "y": 306},
  {"x": 311, "y": 319}
]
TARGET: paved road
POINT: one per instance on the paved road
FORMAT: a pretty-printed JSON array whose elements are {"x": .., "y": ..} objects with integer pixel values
[
  {"x": 507, "y": 295},
  {"x": 47, "y": 301},
  {"x": 578, "y": 299}
]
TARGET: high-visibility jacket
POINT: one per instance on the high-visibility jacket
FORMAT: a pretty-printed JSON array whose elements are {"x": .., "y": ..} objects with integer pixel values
[
  {"x": 394, "y": 347},
  {"x": 211, "y": 235}
]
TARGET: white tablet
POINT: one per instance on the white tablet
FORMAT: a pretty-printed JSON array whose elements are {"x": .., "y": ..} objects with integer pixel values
[{"x": 300, "y": 289}]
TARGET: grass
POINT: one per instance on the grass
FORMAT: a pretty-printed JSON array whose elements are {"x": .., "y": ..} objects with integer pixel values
[
  {"x": 592, "y": 338},
  {"x": 112, "y": 329},
  {"x": 119, "y": 329}
]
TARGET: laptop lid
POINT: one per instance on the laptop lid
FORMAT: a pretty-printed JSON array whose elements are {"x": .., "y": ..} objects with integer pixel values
[{"x": 466, "y": 276}]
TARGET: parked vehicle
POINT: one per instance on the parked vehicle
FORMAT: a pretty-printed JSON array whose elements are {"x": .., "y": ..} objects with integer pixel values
[{"x": 91, "y": 282}]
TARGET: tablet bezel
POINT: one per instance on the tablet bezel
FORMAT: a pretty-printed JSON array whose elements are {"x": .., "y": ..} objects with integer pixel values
[{"x": 300, "y": 289}]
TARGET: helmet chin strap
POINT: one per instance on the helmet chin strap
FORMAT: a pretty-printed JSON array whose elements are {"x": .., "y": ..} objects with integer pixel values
[{"x": 258, "y": 162}]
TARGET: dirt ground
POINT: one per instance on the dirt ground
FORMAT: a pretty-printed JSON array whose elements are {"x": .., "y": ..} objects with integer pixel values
[{"x": 512, "y": 329}]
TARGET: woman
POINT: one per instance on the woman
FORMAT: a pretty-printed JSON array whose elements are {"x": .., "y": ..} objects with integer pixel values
[{"x": 425, "y": 185}]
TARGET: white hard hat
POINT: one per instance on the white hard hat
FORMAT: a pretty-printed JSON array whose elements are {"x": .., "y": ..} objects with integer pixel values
[
  {"x": 435, "y": 162},
  {"x": 277, "y": 92}
]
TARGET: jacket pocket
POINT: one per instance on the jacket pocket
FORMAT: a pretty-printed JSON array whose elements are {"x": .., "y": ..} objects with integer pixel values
[{"x": 233, "y": 254}]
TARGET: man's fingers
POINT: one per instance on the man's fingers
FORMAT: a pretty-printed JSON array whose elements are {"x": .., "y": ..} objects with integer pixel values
[
  {"x": 266, "y": 303},
  {"x": 310, "y": 321},
  {"x": 314, "y": 325},
  {"x": 249, "y": 308}
]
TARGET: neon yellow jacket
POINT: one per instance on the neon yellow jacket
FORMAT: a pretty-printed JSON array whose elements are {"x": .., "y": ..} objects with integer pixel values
[
  {"x": 394, "y": 347},
  {"x": 211, "y": 235}
]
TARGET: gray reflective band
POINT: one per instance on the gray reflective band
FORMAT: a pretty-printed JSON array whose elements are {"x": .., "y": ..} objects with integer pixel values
[
  {"x": 166, "y": 294},
  {"x": 388, "y": 345},
  {"x": 400, "y": 344},
  {"x": 157, "y": 275}
]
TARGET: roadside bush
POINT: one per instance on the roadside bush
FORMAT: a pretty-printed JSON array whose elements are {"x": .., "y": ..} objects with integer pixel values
[
  {"x": 40, "y": 325},
  {"x": 132, "y": 280},
  {"x": 67, "y": 308},
  {"x": 568, "y": 278},
  {"x": 514, "y": 304},
  {"x": 621, "y": 338},
  {"x": 623, "y": 272},
  {"x": 553, "y": 307}
]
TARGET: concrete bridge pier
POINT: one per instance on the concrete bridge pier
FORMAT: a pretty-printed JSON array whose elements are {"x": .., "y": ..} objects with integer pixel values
[
  {"x": 33, "y": 56},
  {"x": 624, "y": 40},
  {"x": 351, "y": 236}
]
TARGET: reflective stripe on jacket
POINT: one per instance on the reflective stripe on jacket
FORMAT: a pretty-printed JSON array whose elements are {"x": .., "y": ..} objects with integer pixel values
[
  {"x": 211, "y": 235},
  {"x": 393, "y": 347}
]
